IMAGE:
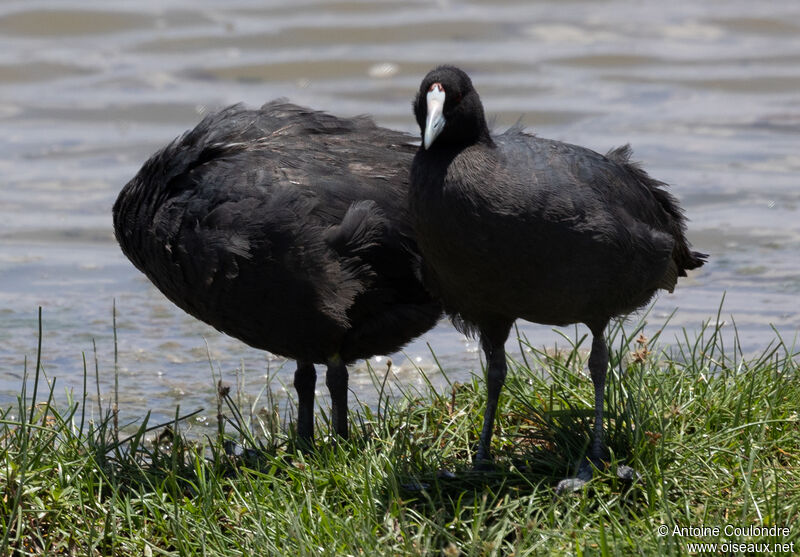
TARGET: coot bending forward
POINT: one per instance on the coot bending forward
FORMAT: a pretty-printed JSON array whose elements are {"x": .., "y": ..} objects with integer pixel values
[
  {"x": 285, "y": 228},
  {"x": 513, "y": 226}
]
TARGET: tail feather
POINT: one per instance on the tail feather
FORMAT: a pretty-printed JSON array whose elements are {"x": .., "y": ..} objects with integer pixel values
[{"x": 683, "y": 257}]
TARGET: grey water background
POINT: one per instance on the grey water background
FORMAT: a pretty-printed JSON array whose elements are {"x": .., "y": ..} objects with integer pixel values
[{"x": 708, "y": 93}]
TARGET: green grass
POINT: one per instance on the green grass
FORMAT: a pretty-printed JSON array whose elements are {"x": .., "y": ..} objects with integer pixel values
[{"x": 715, "y": 436}]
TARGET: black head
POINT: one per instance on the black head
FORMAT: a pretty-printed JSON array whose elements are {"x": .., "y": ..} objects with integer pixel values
[{"x": 449, "y": 111}]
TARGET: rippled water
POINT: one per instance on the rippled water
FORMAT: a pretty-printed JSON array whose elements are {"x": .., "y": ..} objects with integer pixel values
[{"x": 707, "y": 93}]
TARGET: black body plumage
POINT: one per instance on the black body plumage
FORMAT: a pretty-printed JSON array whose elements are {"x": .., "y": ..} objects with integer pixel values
[
  {"x": 515, "y": 226},
  {"x": 286, "y": 228}
]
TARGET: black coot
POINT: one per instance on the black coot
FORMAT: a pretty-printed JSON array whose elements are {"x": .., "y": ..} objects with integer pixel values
[
  {"x": 513, "y": 226},
  {"x": 286, "y": 228}
]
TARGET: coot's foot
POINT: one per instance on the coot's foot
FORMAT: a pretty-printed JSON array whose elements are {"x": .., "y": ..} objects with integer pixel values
[
  {"x": 483, "y": 465},
  {"x": 571, "y": 485},
  {"x": 482, "y": 461},
  {"x": 628, "y": 474}
]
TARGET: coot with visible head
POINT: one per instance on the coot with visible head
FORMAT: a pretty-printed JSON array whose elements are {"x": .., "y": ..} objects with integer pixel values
[
  {"x": 514, "y": 226},
  {"x": 286, "y": 228}
]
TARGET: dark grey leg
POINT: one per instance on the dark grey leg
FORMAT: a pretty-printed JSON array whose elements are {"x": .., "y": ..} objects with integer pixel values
[
  {"x": 493, "y": 343},
  {"x": 598, "y": 367},
  {"x": 336, "y": 379},
  {"x": 305, "y": 379}
]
